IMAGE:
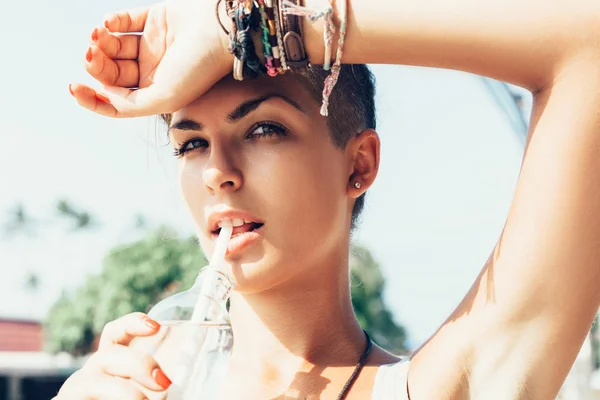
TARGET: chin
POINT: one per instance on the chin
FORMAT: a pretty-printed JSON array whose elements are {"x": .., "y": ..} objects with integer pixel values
[
  {"x": 262, "y": 275},
  {"x": 252, "y": 276}
]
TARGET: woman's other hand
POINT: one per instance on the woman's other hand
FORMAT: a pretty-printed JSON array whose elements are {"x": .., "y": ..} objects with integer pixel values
[
  {"x": 179, "y": 55},
  {"x": 117, "y": 372}
]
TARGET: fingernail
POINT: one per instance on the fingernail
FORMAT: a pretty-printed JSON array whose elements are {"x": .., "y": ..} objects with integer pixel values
[
  {"x": 88, "y": 55},
  {"x": 71, "y": 90},
  {"x": 95, "y": 35},
  {"x": 161, "y": 378},
  {"x": 152, "y": 324},
  {"x": 103, "y": 99},
  {"x": 106, "y": 23}
]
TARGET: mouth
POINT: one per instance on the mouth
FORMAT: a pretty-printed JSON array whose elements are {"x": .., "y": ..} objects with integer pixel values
[
  {"x": 247, "y": 229},
  {"x": 239, "y": 227},
  {"x": 244, "y": 235}
]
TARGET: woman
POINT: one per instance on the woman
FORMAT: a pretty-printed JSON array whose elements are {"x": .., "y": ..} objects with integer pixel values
[{"x": 258, "y": 151}]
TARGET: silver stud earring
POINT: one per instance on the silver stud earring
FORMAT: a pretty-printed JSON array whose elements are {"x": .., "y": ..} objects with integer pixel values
[{"x": 357, "y": 185}]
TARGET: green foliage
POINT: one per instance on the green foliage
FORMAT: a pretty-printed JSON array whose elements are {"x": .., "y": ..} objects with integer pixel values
[
  {"x": 136, "y": 276},
  {"x": 133, "y": 277},
  {"x": 595, "y": 342},
  {"x": 69, "y": 326},
  {"x": 367, "y": 298}
]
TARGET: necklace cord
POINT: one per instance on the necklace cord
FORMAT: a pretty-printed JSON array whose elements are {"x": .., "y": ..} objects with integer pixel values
[{"x": 358, "y": 369}]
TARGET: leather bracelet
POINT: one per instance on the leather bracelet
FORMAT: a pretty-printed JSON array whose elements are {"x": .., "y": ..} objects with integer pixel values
[{"x": 293, "y": 42}]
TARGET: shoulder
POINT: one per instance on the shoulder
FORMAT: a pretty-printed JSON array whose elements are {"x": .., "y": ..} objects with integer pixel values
[{"x": 391, "y": 381}]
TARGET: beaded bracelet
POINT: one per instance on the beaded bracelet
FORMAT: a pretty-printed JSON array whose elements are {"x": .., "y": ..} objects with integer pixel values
[
  {"x": 270, "y": 12},
  {"x": 265, "y": 35},
  {"x": 264, "y": 16},
  {"x": 246, "y": 16}
]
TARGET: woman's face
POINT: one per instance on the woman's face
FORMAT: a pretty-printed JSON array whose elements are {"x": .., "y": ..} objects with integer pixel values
[{"x": 259, "y": 152}]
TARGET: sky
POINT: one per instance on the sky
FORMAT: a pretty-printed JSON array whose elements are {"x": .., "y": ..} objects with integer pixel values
[{"x": 450, "y": 161}]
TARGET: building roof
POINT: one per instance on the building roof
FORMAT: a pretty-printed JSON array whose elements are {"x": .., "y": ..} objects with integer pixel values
[{"x": 21, "y": 336}]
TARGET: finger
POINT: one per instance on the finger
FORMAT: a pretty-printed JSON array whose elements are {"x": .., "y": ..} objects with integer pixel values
[
  {"x": 123, "y": 73},
  {"x": 98, "y": 387},
  {"x": 92, "y": 100},
  {"x": 127, "y": 21},
  {"x": 123, "y": 330},
  {"x": 125, "y": 362},
  {"x": 116, "y": 47},
  {"x": 111, "y": 101},
  {"x": 160, "y": 98},
  {"x": 125, "y": 101}
]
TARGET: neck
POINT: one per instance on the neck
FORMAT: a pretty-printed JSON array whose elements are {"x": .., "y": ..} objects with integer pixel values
[{"x": 294, "y": 327}]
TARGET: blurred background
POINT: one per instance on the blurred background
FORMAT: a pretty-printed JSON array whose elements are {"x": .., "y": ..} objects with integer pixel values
[{"x": 92, "y": 226}]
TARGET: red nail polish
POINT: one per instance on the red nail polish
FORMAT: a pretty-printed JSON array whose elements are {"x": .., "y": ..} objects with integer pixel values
[
  {"x": 149, "y": 322},
  {"x": 95, "y": 35},
  {"x": 71, "y": 90},
  {"x": 102, "y": 98},
  {"x": 88, "y": 55},
  {"x": 161, "y": 378}
]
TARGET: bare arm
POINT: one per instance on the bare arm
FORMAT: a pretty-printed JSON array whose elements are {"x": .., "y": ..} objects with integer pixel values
[
  {"x": 519, "y": 329},
  {"x": 522, "y": 43}
]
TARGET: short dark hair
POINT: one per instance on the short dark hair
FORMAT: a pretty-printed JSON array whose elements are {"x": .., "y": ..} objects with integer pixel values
[{"x": 351, "y": 107}]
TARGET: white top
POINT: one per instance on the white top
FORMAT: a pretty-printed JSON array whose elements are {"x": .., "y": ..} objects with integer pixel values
[{"x": 391, "y": 381}]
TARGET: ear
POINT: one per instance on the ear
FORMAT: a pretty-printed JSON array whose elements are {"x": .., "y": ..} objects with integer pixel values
[{"x": 363, "y": 152}]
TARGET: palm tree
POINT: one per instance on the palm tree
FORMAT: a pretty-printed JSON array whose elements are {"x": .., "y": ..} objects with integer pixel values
[
  {"x": 80, "y": 219},
  {"x": 19, "y": 222},
  {"x": 21, "y": 226}
]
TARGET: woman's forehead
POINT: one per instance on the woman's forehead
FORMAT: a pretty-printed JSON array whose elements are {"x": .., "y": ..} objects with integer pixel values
[{"x": 228, "y": 93}]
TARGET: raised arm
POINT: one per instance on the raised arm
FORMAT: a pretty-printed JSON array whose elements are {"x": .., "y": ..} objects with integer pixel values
[
  {"x": 182, "y": 51},
  {"x": 519, "y": 329},
  {"x": 527, "y": 44}
]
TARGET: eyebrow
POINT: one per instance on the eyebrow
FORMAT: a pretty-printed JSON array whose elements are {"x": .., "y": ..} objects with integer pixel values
[{"x": 237, "y": 114}]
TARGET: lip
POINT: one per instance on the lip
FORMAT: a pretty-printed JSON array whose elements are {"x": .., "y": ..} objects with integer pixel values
[{"x": 242, "y": 241}]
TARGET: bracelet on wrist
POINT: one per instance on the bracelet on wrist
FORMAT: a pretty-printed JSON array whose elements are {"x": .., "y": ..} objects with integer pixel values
[{"x": 277, "y": 26}]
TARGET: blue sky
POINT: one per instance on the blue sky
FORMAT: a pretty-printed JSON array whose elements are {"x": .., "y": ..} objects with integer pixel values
[{"x": 450, "y": 161}]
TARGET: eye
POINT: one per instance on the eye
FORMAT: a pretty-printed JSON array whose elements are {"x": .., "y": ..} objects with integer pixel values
[
  {"x": 267, "y": 129},
  {"x": 189, "y": 145}
]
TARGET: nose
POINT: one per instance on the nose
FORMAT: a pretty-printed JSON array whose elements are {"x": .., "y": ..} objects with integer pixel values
[{"x": 221, "y": 175}]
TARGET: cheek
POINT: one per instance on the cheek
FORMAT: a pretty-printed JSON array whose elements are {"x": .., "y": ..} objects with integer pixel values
[
  {"x": 321, "y": 189},
  {"x": 264, "y": 169},
  {"x": 190, "y": 186},
  {"x": 306, "y": 187}
]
